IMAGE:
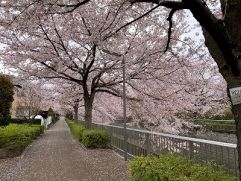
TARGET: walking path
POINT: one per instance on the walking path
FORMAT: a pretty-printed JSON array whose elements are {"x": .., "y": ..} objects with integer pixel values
[{"x": 58, "y": 156}]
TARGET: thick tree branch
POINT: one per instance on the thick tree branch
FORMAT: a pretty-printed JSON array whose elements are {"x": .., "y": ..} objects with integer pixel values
[
  {"x": 127, "y": 24},
  {"x": 117, "y": 94},
  {"x": 170, "y": 28},
  {"x": 95, "y": 81},
  {"x": 61, "y": 74},
  {"x": 74, "y": 5},
  {"x": 109, "y": 92},
  {"x": 114, "y": 17},
  {"x": 48, "y": 38},
  {"x": 216, "y": 29},
  {"x": 110, "y": 84},
  {"x": 167, "y": 4},
  {"x": 71, "y": 7},
  {"x": 88, "y": 30},
  {"x": 92, "y": 61},
  {"x": 60, "y": 38}
]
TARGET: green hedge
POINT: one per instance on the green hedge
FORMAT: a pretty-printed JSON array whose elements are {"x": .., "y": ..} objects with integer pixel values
[
  {"x": 94, "y": 138},
  {"x": 171, "y": 168},
  {"x": 76, "y": 129},
  {"x": 22, "y": 121},
  {"x": 218, "y": 126},
  {"x": 14, "y": 138}
]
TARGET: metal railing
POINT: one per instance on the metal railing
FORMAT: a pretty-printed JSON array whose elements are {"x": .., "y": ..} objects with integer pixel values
[
  {"x": 142, "y": 143},
  {"x": 212, "y": 120}
]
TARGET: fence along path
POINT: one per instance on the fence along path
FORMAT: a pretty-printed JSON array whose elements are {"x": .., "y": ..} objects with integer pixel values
[{"x": 140, "y": 142}]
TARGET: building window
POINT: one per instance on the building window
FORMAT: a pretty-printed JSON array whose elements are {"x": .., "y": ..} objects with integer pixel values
[{"x": 22, "y": 111}]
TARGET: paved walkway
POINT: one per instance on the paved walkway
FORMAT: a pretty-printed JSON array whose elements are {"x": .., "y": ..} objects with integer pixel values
[{"x": 57, "y": 156}]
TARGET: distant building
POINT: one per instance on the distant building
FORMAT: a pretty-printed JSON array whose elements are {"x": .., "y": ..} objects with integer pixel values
[
  {"x": 19, "y": 108},
  {"x": 26, "y": 103},
  {"x": 21, "y": 105}
]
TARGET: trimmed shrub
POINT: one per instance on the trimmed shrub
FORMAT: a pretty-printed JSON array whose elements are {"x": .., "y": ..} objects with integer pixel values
[
  {"x": 15, "y": 142},
  {"x": 17, "y": 121},
  {"x": 171, "y": 168},
  {"x": 96, "y": 138},
  {"x": 22, "y": 121},
  {"x": 14, "y": 138},
  {"x": 50, "y": 112}
]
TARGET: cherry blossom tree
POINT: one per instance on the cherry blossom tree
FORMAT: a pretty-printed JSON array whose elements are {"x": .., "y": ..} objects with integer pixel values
[
  {"x": 190, "y": 83},
  {"x": 106, "y": 25},
  {"x": 47, "y": 46},
  {"x": 52, "y": 48},
  {"x": 222, "y": 34}
]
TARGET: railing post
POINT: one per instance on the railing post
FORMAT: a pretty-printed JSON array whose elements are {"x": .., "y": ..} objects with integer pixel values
[
  {"x": 124, "y": 109},
  {"x": 111, "y": 137},
  {"x": 147, "y": 144},
  {"x": 191, "y": 150}
]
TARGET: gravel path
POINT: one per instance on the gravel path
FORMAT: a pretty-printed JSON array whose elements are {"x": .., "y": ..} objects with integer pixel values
[
  {"x": 7, "y": 166},
  {"x": 57, "y": 156}
]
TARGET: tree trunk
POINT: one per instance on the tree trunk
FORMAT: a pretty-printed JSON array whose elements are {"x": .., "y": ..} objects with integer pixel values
[
  {"x": 88, "y": 113},
  {"x": 88, "y": 103},
  {"x": 232, "y": 81},
  {"x": 76, "y": 113},
  {"x": 223, "y": 40},
  {"x": 236, "y": 109},
  {"x": 237, "y": 116}
]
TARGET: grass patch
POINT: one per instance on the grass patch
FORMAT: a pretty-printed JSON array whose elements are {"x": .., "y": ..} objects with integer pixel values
[
  {"x": 76, "y": 129},
  {"x": 217, "y": 126}
]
